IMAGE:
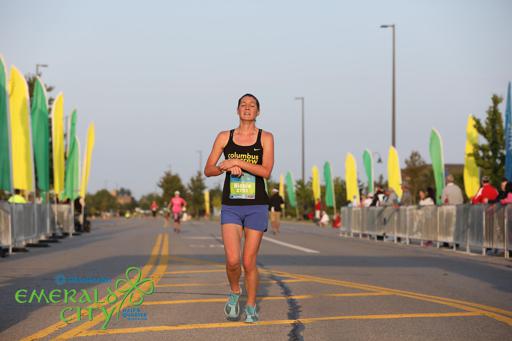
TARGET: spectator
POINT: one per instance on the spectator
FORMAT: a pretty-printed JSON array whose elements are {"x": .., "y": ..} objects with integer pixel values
[
  {"x": 17, "y": 198},
  {"x": 275, "y": 204},
  {"x": 367, "y": 202},
  {"x": 406, "y": 195},
  {"x": 425, "y": 199},
  {"x": 486, "y": 194},
  {"x": 324, "y": 220},
  {"x": 452, "y": 194},
  {"x": 390, "y": 199},
  {"x": 378, "y": 197},
  {"x": 508, "y": 198},
  {"x": 502, "y": 192},
  {"x": 318, "y": 210}
]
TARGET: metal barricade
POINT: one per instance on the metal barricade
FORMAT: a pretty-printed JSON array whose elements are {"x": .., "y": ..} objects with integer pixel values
[
  {"x": 42, "y": 220},
  {"x": 23, "y": 224},
  {"x": 371, "y": 227},
  {"x": 475, "y": 227},
  {"x": 460, "y": 234},
  {"x": 494, "y": 227},
  {"x": 402, "y": 223},
  {"x": 5, "y": 226},
  {"x": 64, "y": 218},
  {"x": 356, "y": 221},
  {"x": 424, "y": 223},
  {"x": 508, "y": 230},
  {"x": 387, "y": 222},
  {"x": 447, "y": 220},
  {"x": 345, "y": 219}
]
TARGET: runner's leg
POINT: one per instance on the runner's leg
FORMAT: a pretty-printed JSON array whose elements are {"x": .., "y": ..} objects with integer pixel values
[
  {"x": 232, "y": 235},
  {"x": 251, "y": 247}
]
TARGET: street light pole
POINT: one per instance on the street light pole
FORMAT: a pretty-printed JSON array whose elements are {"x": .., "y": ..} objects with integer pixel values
[
  {"x": 303, "y": 143},
  {"x": 393, "y": 96},
  {"x": 38, "y": 74},
  {"x": 200, "y": 159}
]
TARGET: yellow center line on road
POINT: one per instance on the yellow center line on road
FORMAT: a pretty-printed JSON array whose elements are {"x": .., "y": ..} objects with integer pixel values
[
  {"x": 498, "y": 314},
  {"x": 201, "y": 284},
  {"x": 271, "y": 323},
  {"x": 492, "y": 312},
  {"x": 160, "y": 269},
  {"x": 74, "y": 318},
  {"x": 193, "y": 271},
  {"x": 266, "y": 298}
]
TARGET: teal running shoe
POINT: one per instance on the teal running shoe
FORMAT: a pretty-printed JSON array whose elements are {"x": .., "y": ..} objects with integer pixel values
[
  {"x": 251, "y": 314},
  {"x": 232, "y": 307}
]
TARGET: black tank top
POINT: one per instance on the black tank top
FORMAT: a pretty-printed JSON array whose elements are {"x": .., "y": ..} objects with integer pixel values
[{"x": 248, "y": 189}]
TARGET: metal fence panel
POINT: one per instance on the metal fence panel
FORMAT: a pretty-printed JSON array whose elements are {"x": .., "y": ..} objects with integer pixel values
[
  {"x": 373, "y": 214},
  {"x": 5, "y": 225},
  {"x": 447, "y": 222},
  {"x": 476, "y": 226},
  {"x": 41, "y": 220},
  {"x": 424, "y": 223},
  {"x": 357, "y": 214},
  {"x": 402, "y": 222},
  {"x": 65, "y": 219},
  {"x": 23, "y": 224},
  {"x": 460, "y": 234},
  {"x": 387, "y": 221},
  {"x": 494, "y": 227}
]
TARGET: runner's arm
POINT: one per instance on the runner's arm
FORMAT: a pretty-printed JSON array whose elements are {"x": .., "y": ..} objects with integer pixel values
[
  {"x": 265, "y": 169},
  {"x": 211, "y": 168}
]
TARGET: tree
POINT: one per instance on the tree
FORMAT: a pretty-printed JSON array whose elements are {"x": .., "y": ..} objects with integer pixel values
[
  {"x": 304, "y": 194},
  {"x": 418, "y": 174},
  {"x": 490, "y": 155},
  {"x": 196, "y": 187},
  {"x": 146, "y": 200},
  {"x": 169, "y": 183},
  {"x": 216, "y": 198},
  {"x": 101, "y": 201}
]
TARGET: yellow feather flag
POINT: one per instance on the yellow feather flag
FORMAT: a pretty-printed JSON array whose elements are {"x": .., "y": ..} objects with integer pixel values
[
  {"x": 58, "y": 144},
  {"x": 207, "y": 202},
  {"x": 471, "y": 176},
  {"x": 394, "y": 172},
  {"x": 351, "y": 178},
  {"x": 316, "y": 183},
  {"x": 86, "y": 166},
  {"x": 21, "y": 141}
]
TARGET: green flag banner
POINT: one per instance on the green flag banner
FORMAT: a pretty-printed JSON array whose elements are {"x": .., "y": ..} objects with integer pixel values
[
  {"x": 290, "y": 190},
  {"x": 41, "y": 135},
  {"x": 71, "y": 183},
  {"x": 368, "y": 167},
  {"x": 436, "y": 155},
  {"x": 5, "y": 163},
  {"x": 329, "y": 186}
]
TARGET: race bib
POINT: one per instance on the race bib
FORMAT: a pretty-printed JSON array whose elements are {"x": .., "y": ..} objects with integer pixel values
[{"x": 243, "y": 187}]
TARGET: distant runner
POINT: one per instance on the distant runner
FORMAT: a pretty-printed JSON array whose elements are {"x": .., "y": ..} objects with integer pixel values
[
  {"x": 249, "y": 158},
  {"x": 154, "y": 208},
  {"x": 275, "y": 210},
  {"x": 176, "y": 206}
]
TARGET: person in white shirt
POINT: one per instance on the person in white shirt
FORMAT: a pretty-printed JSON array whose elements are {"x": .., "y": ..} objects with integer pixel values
[
  {"x": 452, "y": 194},
  {"x": 424, "y": 199}
]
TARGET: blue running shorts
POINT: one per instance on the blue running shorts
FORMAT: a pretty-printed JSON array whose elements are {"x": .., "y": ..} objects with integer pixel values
[{"x": 254, "y": 217}]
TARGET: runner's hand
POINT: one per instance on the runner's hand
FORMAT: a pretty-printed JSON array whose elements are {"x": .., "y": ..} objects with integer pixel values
[
  {"x": 227, "y": 164},
  {"x": 236, "y": 171}
]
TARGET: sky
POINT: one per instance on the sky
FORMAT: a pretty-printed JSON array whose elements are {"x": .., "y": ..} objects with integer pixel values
[{"x": 160, "y": 79}]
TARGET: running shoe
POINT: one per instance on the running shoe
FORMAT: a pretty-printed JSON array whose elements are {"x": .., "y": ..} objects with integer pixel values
[
  {"x": 251, "y": 314},
  {"x": 232, "y": 307}
]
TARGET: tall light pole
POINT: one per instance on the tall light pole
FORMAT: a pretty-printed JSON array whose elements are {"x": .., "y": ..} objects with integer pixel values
[
  {"x": 301, "y": 99},
  {"x": 200, "y": 159},
  {"x": 393, "y": 100},
  {"x": 38, "y": 74}
]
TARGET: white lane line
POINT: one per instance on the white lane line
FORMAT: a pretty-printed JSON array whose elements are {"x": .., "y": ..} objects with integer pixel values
[
  {"x": 209, "y": 238},
  {"x": 291, "y": 246}
]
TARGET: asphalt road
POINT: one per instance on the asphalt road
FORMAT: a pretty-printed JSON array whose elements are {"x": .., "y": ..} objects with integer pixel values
[{"x": 315, "y": 285}]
